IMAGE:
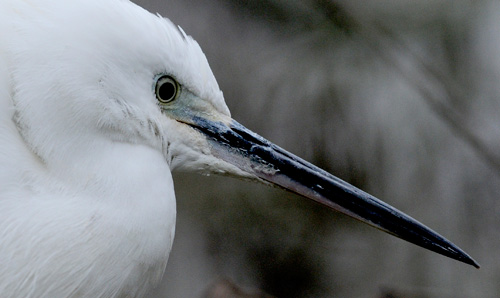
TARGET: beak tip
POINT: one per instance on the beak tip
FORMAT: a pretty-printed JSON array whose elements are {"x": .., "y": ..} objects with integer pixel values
[
  {"x": 462, "y": 256},
  {"x": 472, "y": 262}
]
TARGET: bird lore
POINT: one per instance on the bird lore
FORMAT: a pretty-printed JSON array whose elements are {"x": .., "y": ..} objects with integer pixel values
[{"x": 100, "y": 100}]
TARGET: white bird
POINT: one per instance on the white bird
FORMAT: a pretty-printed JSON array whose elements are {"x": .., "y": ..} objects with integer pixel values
[{"x": 100, "y": 101}]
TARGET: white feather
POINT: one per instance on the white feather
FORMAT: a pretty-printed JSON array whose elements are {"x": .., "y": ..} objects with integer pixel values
[{"x": 87, "y": 204}]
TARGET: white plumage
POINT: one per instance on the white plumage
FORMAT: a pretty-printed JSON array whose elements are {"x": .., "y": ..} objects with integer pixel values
[
  {"x": 87, "y": 145},
  {"x": 87, "y": 204}
]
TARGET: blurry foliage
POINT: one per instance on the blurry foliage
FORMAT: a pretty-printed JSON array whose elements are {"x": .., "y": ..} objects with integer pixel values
[{"x": 306, "y": 15}]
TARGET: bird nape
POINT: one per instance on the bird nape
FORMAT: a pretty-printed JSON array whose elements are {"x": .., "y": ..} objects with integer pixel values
[{"x": 100, "y": 101}]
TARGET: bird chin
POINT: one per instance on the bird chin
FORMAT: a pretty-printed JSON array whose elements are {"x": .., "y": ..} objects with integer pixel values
[{"x": 213, "y": 159}]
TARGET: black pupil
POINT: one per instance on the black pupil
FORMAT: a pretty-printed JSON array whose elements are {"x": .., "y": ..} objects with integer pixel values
[{"x": 167, "y": 91}]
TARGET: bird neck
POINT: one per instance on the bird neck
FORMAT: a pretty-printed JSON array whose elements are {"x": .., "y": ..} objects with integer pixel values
[
  {"x": 121, "y": 206},
  {"x": 114, "y": 171}
]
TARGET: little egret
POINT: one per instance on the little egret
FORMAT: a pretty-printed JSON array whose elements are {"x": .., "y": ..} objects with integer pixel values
[{"x": 100, "y": 101}]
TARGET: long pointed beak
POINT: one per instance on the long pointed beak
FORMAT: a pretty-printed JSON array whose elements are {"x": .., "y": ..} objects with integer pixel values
[{"x": 253, "y": 154}]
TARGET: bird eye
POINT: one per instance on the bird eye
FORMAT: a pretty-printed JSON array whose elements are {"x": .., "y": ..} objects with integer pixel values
[{"x": 166, "y": 89}]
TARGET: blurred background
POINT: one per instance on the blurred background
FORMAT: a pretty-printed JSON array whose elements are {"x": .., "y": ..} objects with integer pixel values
[{"x": 400, "y": 98}]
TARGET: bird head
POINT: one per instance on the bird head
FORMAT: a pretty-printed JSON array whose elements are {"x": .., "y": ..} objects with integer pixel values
[{"x": 124, "y": 75}]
